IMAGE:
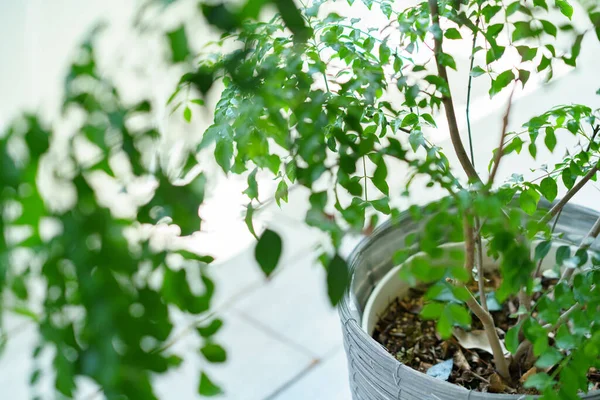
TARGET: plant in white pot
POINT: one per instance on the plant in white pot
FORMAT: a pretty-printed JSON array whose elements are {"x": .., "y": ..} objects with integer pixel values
[
  {"x": 498, "y": 298},
  {"x": 492, "y": 287}
]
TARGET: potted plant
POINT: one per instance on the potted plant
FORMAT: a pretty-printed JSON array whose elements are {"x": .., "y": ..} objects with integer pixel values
[
  {"x": 489, "y": 287},
  {"x": 500, "y": 277}
]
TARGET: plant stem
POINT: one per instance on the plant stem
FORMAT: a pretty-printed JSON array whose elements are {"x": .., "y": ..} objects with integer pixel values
[
  {"x": 490, "y": 329},
  {"x": 500, "y": 150},
  {"x": 469, "y": 245},
  {"x": 463, "y": 158},
  {"x": 480, "y": 275},
  {"x": 364, "y": 163},
  {"x": 469, "y": 94},
  {"x": 585, "y": 244},
  {"x": 561, "y": 203}
]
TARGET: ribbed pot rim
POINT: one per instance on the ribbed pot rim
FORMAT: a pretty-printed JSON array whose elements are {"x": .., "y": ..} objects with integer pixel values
[{"x": 351, "y": 316}]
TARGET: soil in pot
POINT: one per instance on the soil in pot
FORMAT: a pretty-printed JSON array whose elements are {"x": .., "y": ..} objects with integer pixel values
[{"x": 415, "y": 342}]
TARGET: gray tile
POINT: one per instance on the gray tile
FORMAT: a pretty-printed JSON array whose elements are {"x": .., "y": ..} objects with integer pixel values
[
  {"x": 327, "y": 380},
  {"x": 294, "y": 304},
  {"x": 257, "y": 362}
]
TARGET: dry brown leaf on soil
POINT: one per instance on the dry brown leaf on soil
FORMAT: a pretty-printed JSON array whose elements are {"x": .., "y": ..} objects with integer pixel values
[
  {"x": 497, "y": 385},
  {"x": 461, "y": 361},
  {"x": 527, "y": 374},
  {"x": 476, "y": 339}
]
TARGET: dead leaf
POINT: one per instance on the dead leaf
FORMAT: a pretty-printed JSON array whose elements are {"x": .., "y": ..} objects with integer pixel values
[
  {"x": 527, "y": 374},
  {"x": 496, "y": 384},
  {"x": 476, "y": 339},
  {"x": 461, "y": 361}
]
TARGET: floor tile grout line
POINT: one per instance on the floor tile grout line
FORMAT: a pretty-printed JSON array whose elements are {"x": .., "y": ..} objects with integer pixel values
[
  {"x": 283, "y": 388},
  {"x": 233, "y": 299},
  {"x": 277, "y": 336}
]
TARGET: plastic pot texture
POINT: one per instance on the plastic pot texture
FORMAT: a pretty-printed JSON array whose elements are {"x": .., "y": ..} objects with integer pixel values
[{"x": 376, "y": 375}]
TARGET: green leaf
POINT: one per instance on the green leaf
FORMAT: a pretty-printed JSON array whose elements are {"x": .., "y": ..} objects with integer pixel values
[
  {"x": 549, "y": 358},
  {"x": 477, "y": 71},
  {"x": 511, "y": 340},
  {"x": 539, "y": 381},
  {"x": 549, "y": 188},
  {"x": 532, "y": 149},
  {"x": 529, "y": 200},
  {"x": 281, "y": 193},
  {"x": 550, "y": 139},
  {"x": 527, "y": 53},
  {"x": 200, "y": 102},
  {"x": 293, "y": 19},
  {"x": 214, "y": 353},
  {"x": 452, "y": 34},
  {"x": 210, "y": 329},
  {"x": 542, "y": 249},
  {"x": 432, "y": 310},
  {"x": 513, "y": 8},
  {"x": 380, "y": 176},
  {"x": 337, "y": 279},
  {"x": 179, "y": 44},
  {"x": 563, "y": 253},
  {"x": 501, "y": 81},
  {"x": 252, "y": 190},
  {"x": 447, "y": 60},
  {"x": 268, "y": 251},
  {"x": 409, "y": 120},
  {"x": 549, "y": 28},
  {"x": 187, "y": 114},
  {"x": 249, "y": 220},
  {"x": 223, "y": 154},
  {"x": 565, "y": 8},
  {"x": 568, "y": 178},
  {"x": 207, "y": 387},
  {"x": 564, "y": 339},
  {"x": 460, "y": 315}
]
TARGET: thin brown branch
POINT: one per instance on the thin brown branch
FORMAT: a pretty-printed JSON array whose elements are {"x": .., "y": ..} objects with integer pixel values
[
  {"x": 457, "y": 143},
  {"x": 480, "y": 272},
  {"x": 500, "y": 150},
  {"x": 490, "y": 329},
  {"x": 569, "y": 195},
  {"x": 585, "y": 244},
  {"x": 469, "y": 245}
]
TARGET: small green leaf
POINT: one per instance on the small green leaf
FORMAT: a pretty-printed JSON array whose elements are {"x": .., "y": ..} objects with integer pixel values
[
  {"x": 268, "y": 251},
  {"x": 564, "y": 339},
  {"x": 550, "y": 139},
  {"x": 187, "y": 114},
  {"x": 281, "y": 193},
  {"x": 380, "y": 176},
  {"x": 179, "y": 44},
  {"x": 511, "y": 340},
  {"x": 252, "y": 189},
  {"x": 567, "y": 178},
  {"x": 501, "y": 81},
  {"x": 337, "y": 279},
  {"x": 549, "y": 358},
  {"x": 409, "y": 120},
  {"x": 565, "y": 8},
  {"x": 223, "y": 154},
  {"x": 452, "y": 34},
  {"x": 542, "y": 249},
  {"x": 432, "y": 310},
  {"x": 549, "y": 188},
  {"x": 563, "y": 253},
  {"x": 529, "y": 200},
  {"x": 200, "y": 102},
  {"x": 539, "y": 381},
  {"x": 549, "y": 28},
  {"x": 249, "y": 220},
  {"x": 527, "y": 53},
  {"x": 214, "y": 353},
  {"x": 210, "y": 329},
  {"x": 477, "y": 71},
  {"x": 207, "y": 387}
]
